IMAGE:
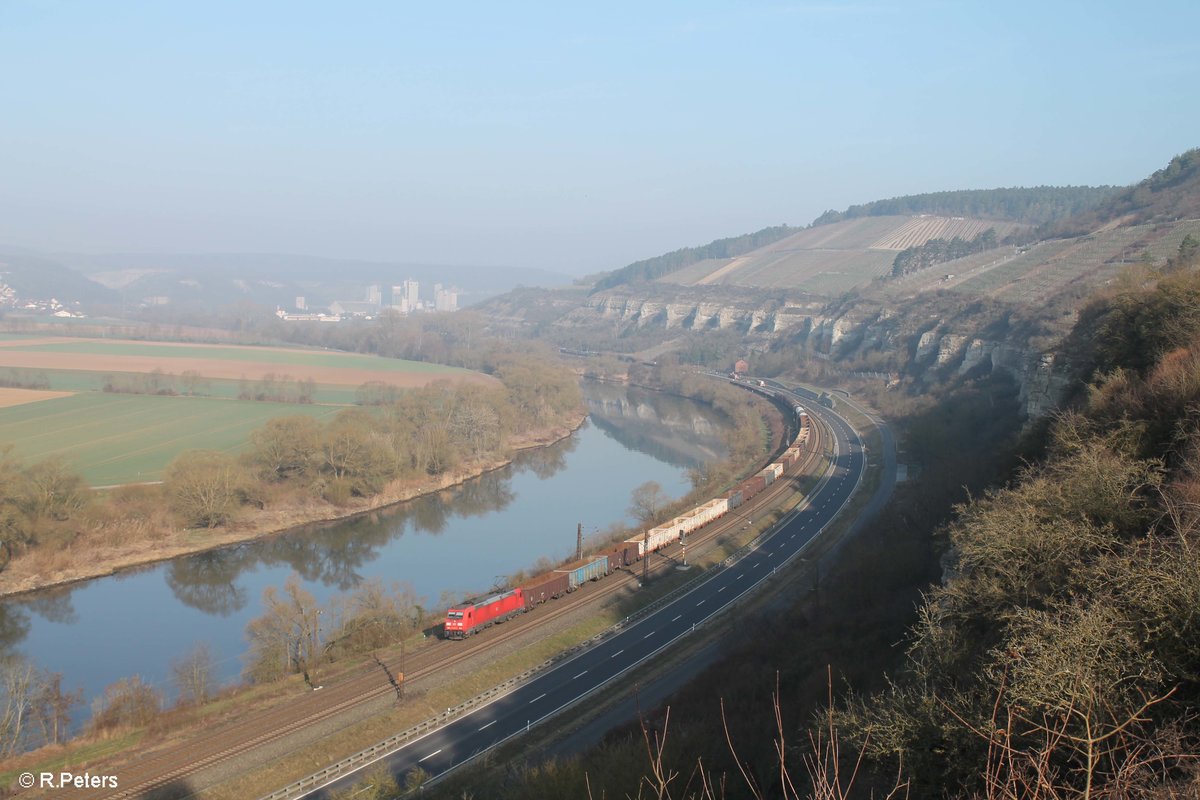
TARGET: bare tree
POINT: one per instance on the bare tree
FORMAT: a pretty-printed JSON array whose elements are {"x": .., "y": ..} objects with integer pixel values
[
  {"x": 17, "y": 682},
  {"x": 287, "y": 637},
  {"x": 128, "y": 703},
  {"x": 193, "y": 674},
  {"x": 51, "y": 707},
  {"x": 647, "y": 502},
  {"x": 205, "y": 487}
]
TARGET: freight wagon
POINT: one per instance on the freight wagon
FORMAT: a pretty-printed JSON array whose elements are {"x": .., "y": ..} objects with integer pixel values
[
  {"x": 752, "y": 486},
  {"x": 624, "y": 554},
  {"x": 469, "y": 618},
  {"x": 579, "y": 573},
  {"x": 654, "y": 539},
  {"x": 735, "y": 498},
  {"x": 545, "y": 587},
  {"x": 714, "y": 509}
]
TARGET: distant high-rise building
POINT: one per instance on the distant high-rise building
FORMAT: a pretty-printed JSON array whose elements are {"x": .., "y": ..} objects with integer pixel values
[
  {"x": 374, "y": 295},
  {"x": 404, "y": 296},
  {"x": 445, "y": 299},
  {"x": 300, "y": 304}
]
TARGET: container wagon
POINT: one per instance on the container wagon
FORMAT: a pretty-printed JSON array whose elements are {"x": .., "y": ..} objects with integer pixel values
[
  {"x": 735, "y": 498},
  {"x": 543, "y": 588},
  {"x": 579, "y": 573},
  {"x": 469, "y": 618}
]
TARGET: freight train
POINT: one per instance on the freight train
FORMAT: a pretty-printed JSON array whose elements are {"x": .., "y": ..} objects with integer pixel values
[{"x": 474, "y": 616}]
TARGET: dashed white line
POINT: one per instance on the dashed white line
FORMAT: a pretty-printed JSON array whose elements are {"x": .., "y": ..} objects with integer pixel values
[
  {"x": 580, "y": 675},
  {"x": 490, "y": 724},
  {"x": 614, "y": 655},
  {"x": 648, "y": 635},
  {"x": 539, "y": 697},
  {"x": 677, "y": 618},
  {"x": 723, "y": 588},
  {"x": 431, "y": 755},
  {"x": 700, "y": 604},
  {"x": 740, "y": 575}
]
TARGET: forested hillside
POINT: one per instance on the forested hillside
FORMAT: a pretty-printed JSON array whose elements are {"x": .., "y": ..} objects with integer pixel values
[
  {"x": 1171, "y": 193},
  {"x": 1061, "y": 657},
  {"x": 1034, "y": 206}
]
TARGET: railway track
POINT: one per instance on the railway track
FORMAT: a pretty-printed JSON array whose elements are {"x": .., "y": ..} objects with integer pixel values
[{"x": 370, "y": 681}]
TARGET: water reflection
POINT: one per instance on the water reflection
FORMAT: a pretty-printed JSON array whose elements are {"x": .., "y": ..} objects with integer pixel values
[
  {"x": 450, "y": 544},
  {"x": 208, "y": 581},
  {"x": 669, "y": 428}
]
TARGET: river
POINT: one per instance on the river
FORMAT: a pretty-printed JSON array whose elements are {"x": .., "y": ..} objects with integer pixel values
[{"x": 460, "y": 541}]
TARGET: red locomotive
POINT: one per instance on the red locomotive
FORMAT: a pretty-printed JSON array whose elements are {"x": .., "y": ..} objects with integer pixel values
[{"x": 462, "y": 621}]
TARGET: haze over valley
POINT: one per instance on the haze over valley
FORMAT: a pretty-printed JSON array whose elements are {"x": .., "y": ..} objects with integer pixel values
[{"x": 694, "y": 401}]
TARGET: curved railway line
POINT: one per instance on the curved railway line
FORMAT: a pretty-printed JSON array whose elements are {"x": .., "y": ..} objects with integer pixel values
[{"x": 371, "y": 681}]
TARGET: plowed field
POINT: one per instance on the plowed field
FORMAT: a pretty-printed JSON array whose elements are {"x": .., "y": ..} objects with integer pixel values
[
  {"x": 212, "y": 361},
  {"x": 19, "y": 397}
]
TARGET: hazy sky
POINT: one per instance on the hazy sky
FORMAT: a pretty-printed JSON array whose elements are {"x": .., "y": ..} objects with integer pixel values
[{"x": 553, "y": 135}]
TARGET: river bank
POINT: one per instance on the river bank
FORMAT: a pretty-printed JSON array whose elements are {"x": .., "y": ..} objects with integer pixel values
[{"x": 39, "y": 570}]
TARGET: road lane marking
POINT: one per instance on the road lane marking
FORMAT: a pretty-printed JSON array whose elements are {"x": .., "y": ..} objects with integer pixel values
[
  {"x": 648, "y": 635},
  {"x": 740, "y": 576},
  {"x": 490, "y": 724},
  {"x": 723, "y": 588},
  {"x": 431, "y": 755},
  {"x": 539, "y": 697},
  {"x": 614, "y": 655},
  {"x": 677, "y": 618},
  {"x": 580, "y": 675},
  {"x": 700, "y": 603}
]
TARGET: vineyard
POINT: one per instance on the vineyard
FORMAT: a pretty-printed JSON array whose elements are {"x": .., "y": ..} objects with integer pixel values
[
  {"x": 1040, "y": 272},
  {"x": 829, "y": 259},
  {"x": 919, "y": 230}
]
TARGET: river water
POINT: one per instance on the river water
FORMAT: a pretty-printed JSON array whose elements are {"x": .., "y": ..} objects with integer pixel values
[{"x": 458, "y": 542}]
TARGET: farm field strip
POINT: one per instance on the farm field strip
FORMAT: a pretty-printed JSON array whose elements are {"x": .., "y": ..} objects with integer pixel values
[
  {"x": 223, "y": 368},
  {"x": 256, "y": 355},
  {"x": 20, "y": 397},
  {"x": 123, "y": 438},
  {"x": 74, "y": 380}
]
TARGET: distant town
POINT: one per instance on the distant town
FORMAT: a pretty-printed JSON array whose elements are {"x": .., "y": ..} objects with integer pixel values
[{"x": 404, "y": 298}]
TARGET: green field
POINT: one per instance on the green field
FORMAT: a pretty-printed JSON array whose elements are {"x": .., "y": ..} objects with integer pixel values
[
  {"x": 74, "y": 380},
  {"x": 115, "y": 438}
]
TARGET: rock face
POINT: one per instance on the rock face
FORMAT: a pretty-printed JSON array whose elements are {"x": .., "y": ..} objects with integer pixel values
[
  {"x": 741, "y": 313},
  {"x": 921, "y": 343}
]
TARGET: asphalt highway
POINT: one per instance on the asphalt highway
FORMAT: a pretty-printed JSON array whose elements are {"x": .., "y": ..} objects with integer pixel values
[{"x": 601, "y": 665}]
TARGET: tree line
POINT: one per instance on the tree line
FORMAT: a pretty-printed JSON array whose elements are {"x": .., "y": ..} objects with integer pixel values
[
  {"x": 1034, "y": 205},
  {"x": 46, "y": 507},
  {"x": 937, "y": 251}
]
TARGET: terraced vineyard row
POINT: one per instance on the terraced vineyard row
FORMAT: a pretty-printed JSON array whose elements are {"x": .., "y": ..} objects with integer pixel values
[{"x": 919, "y": 230}]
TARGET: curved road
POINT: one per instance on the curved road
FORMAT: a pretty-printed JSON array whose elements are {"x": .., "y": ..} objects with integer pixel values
[{"x": 545, "y": 695}]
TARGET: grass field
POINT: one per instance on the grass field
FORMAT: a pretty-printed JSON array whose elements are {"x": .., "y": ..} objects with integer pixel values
[
  {"x": 73, "y": 380},
  {"x": 113, "y": 438}
]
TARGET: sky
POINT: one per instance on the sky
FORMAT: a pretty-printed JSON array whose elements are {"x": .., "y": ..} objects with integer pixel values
[{"x": 564, "y": 136}]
